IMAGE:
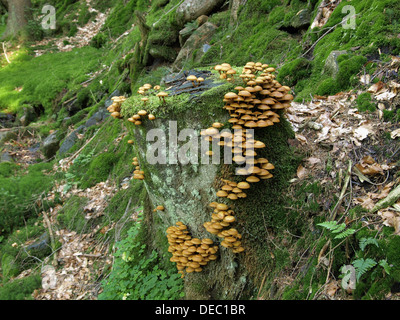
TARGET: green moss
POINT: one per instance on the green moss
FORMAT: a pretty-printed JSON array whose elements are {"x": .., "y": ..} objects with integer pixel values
[
  {"x": 364, "y": 102},
  {"x": 293, "y": 72},
  {"x": 72, "y": 215},
  {"x": 44, "y": 77},
  {"x": 8, "y": 169},
  {"x": 99, "y": 169},
  {"x": 349, "y": 66},
  {"x": 328, "y": 86},
  {"x": 21, "y": 289}
]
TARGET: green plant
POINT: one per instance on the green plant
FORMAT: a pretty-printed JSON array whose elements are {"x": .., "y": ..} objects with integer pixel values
[
  {"x": 136, "y": 274},
  {"x": 338, "y": 229},
  {"x": 21, "y": 289},
  {"x": 364, "y": 102}
]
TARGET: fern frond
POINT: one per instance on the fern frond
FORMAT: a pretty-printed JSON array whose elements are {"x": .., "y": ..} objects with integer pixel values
[
  {"x": 385, "y": 265},
  {"x": 345, "y": 233},
  {"x": 330, "y": 225},
  {"x": 366, "y": 241},
  {"x": 362, "y": 266}
]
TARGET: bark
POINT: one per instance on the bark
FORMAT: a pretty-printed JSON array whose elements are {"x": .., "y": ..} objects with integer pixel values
[{"x": 18, "y": 16}]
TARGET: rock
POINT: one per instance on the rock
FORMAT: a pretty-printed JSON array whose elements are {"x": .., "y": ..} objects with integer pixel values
[
  {"x": 6, "y": 120},
  {"x": 163, "y": 52},
  {"x": 6, "y": 157},
  {"x": 186, "y": 32},
  {"x": 51, "y": 145},
  {"x": 195, "y": 42},
  {"x": 202, "y": 20},
  {"x": 41, "y": 247},
  {"x": 190, "y": 10},
  {"x": 331, "y": 65},
  {"x": 70, "y": 140},
  {"x": 109, "y": 102},
  {"x": 302, "y": 19},
  {"x": 28, "y": 116}
]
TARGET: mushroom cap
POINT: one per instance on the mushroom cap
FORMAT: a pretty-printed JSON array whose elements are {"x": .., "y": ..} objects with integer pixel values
[
  {"x": 152, "y": 117},
  {"x": 232, "y": 196},
  {"x": 191, "y": 78},
  {"x": 229, "y": 219},
  {"x": 162, "y": 94},
  {"x": 243, "y": 185},
  {"x": 142, "y": 113},
  {"x": 230, "y": 95},
  {"x": 252, "y": 179},
  {"x": 222, "y": 194},
  {"x": 207, "y": 241},
  {"x": 196, "y": 241},
  {"x": 222, "y": 207}
]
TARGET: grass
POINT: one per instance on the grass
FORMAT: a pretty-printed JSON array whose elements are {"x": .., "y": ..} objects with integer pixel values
[{"x": 40, "y": 80}]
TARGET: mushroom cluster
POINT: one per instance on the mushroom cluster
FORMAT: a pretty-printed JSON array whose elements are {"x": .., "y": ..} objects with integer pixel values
[
  {"x": 162, "y": 95},
  {"x": 194, "y": 80},
  {"x": 254, "y": 105},
  {"x": 225, "y": 71},
  {"x": 115, "y": 107},
  {"x": 159, "y": 208},
  {"x": 189, "y": 254},
  {"x": 233, "y": 190},
  {"x": 137, "y": 119},
  {"x": 221, "y": 219},
  {"x": 137, "y": 174}
]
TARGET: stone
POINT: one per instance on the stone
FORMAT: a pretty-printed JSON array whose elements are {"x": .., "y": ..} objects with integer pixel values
[
  {"x": 302, "y": 19},
  {"x": 195, "y": 42},
  {"x": 51, "y": 145},
  {"x": 331, "y": 66},
  {"x": 202, "y": 20},
  {"x": 28, "y": 116},
  {"x": 163, "y": 52},
  {"x": 190, "y": 10},
  {"x": 186, "y": 32},
  {"x": 41, "y": 247},
  {"x": 6, "y": 157}
]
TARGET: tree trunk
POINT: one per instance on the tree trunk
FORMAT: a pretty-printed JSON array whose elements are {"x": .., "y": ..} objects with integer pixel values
[{"x": 18, "y": 15}]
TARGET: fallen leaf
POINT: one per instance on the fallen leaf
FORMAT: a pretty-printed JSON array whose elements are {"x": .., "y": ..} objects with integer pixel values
[
  {"x": 313, "y": 161},
  {"x": 301, "y": 138},
  {"x": 332, "y": 287},
  {"x": 376, "y": 87},
  {"x": 301, "y": 172},
  {"x": 395, "y": 133}
]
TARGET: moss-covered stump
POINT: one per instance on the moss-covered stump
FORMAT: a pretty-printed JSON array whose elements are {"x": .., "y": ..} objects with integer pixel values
[{"x": 185, "y": 192}]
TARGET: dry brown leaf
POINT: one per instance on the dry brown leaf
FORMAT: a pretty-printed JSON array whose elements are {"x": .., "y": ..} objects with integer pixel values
[
  {"x": 301, "y": 172},
  {"x": 391, "y": 218},
  {"x": 332, "y": 287},
  {"x": 365, "y": 202},
  {"x": 376, "y": 87}
]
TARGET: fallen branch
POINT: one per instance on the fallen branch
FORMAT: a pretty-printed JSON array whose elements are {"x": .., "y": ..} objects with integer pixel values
[
  {"x": 53, "y": 245},
  {"x": 391, "y": 198},
  {"x": 5, "y": 52},
  {"x": 342, "y": 194}
]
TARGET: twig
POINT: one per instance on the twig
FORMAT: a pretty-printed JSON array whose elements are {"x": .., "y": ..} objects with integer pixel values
[
  {"x": 5, "y": 52},
  {"x": 48, "y": 224},
  {"x": 342, "y": 194}
]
